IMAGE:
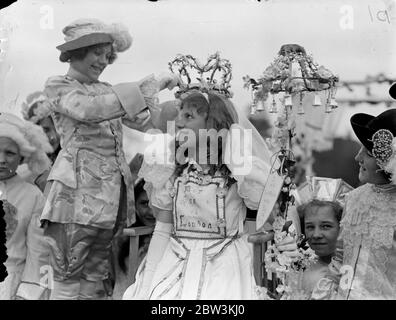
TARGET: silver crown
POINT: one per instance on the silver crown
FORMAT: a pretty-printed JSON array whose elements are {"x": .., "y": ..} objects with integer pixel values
[{"x": 215, "y": 75}]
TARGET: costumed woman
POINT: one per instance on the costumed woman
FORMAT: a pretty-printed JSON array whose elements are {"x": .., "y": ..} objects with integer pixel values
[
  {"x": 37, "y": 109},
  {"x": 368, "y": 228},
  {"x": 90, "y": 189},
  {"x": 199, "y": 247},
  {"x": 27, "y": 262}
]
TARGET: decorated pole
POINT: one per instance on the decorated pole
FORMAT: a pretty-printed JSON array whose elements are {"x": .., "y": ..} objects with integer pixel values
[{"x": 292, "y": 74}]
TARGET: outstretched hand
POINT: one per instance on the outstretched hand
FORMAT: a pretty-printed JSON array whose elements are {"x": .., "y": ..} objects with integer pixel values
[{"x": 168, "y": 80}]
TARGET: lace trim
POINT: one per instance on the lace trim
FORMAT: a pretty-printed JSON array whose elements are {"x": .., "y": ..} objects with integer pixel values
[
  {"x": 370, "y": 218},
  {"x": 149, "y": 89},
  {"x": 370, "y": 223}
]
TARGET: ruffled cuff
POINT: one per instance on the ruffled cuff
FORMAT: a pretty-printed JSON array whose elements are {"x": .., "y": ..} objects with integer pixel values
[
  {"x": 149, "y": 89},
  {"x": 250, "y": 187},
  {"x": 130, "y": 97},
  {"x": 30, "y": 291}
]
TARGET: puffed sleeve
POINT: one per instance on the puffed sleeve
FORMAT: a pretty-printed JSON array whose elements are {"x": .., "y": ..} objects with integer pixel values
[
  {"x": 251, "y": 185},
  {"x": 160, "y": 198},
  {"x": 70, "y": 97},
  {"x": 37, "y": 258}
]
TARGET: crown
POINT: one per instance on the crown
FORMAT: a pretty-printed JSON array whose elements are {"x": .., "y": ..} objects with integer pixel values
[
  {"x": 324, "y": 189},
  {"x": 214, "y": 75}
]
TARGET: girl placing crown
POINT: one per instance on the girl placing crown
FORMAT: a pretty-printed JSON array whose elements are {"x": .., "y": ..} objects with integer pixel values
[
  {"x": 89, "y": 189},
  {"x": 199, "y": 248}
]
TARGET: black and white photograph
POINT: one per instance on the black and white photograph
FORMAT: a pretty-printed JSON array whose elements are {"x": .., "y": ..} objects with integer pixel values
[{"x": 218, "y": 150}]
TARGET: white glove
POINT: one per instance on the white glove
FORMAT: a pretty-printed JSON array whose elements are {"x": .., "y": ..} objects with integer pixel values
[
  {"x": 156, "y": 250},
  {"x": 167, "y": 80}
]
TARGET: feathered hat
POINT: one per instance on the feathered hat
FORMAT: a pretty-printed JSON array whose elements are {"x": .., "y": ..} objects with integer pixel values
[
  {"x": 36, "y": 107},
  {"x": 32, "y": 142},
  {"x": 378, "y": 134},
  {"x": 87, "y": 32}
]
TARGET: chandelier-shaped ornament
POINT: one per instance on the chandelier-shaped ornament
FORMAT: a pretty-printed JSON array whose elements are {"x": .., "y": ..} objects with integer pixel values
[{"x": 293, "y": 73}]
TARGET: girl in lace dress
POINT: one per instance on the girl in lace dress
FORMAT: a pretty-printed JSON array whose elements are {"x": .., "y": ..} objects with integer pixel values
[
  {"x": 199, "y": 248},
  {"x": 36, "y": 109},
  {"x": 368, "y": 228}
]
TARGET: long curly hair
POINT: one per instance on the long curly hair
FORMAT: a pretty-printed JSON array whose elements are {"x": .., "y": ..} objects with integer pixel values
[{"x": 220, "y": 115}]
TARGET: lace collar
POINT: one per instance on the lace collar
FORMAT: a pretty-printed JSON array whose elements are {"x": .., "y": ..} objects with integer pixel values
[{"x": 383, "y": 188}]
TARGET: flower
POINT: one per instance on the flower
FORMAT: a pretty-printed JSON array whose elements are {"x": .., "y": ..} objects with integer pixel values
[{"x": 324, "y": 73}]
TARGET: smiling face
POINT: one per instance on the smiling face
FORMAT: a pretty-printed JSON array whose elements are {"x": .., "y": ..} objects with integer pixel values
[
  {"x": 10, "y": 158},
  {"x": 95, "y": 61},
  {"x": 321, "y": 229},
  {"x": 368, "y": 168}
]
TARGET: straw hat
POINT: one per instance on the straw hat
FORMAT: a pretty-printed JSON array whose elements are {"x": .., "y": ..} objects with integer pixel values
[{"x": 87, "y": 32}]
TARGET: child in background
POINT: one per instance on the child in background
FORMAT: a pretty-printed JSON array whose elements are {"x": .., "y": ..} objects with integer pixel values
[
  {"x": 37, "y": 110},
  {"x": 26, "y": 248},
  {"x": 144, "y": 217}
]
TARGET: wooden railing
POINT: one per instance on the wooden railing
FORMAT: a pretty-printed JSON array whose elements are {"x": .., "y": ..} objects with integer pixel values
[{"x": 134, "y": 234}]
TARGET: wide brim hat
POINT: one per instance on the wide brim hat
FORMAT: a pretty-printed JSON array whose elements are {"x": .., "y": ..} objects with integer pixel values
[
  {"x": 365, "y": 126},
  {"x": 36, "y": 107},
  {"x": 87, "y": 32}
]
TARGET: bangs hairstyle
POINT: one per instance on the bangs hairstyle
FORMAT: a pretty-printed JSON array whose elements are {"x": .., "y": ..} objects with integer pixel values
[
  {"x": 314, "y": 204},
  {"x": 220, "y": 114},
  {"x": 220, "y": 111},
  {"x": 81, "y": 53}
]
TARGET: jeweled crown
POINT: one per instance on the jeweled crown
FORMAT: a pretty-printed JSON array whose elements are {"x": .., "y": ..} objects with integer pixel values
[
  {"x": 324, "y": 189},
  {"x": 215, "y": 75}
]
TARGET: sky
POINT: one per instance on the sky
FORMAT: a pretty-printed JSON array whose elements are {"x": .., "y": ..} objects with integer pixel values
[{"x": 352, "y": 38}]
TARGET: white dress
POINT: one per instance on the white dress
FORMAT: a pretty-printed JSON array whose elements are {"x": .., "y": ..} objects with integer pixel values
[
  {"x": 369, "y": 241},
  {"x": 27, "y": 250},
  {"x": 208, "y": 256}
]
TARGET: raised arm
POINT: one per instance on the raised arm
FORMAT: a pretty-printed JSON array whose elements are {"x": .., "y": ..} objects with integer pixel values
[{"x": 69, "y": 97}]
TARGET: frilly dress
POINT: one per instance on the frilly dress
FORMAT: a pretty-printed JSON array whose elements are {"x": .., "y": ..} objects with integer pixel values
[
  {"x": 26, "y": 248},
  {"x": 369, "y": 242},
  {"x": 208, "y": 256}
]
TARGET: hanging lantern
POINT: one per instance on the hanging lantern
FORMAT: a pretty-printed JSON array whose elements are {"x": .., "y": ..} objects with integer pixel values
[
  {"x": 333, "y": 103},
  {"x": 260, "y": 106},
  {"x": 293, "y": 72},
  {"x": 300, "y": 109},
  {"x": 328, "y": 107},
  {"x": 317, "y": 101},
  {"x": 273, "y": 108},
  {"x": 288, "y": 101}
]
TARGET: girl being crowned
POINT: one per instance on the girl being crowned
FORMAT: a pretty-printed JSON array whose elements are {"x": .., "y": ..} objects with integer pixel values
[{"x": 199, "y": 248}]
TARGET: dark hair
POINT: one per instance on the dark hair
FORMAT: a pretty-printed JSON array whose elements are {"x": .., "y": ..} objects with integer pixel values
[
  {"x": 80, "y": 53},
  {"x": 304, "y": 208},
  {"x": 139, "y": 188},
  {"x": 220, "y": 115}
]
